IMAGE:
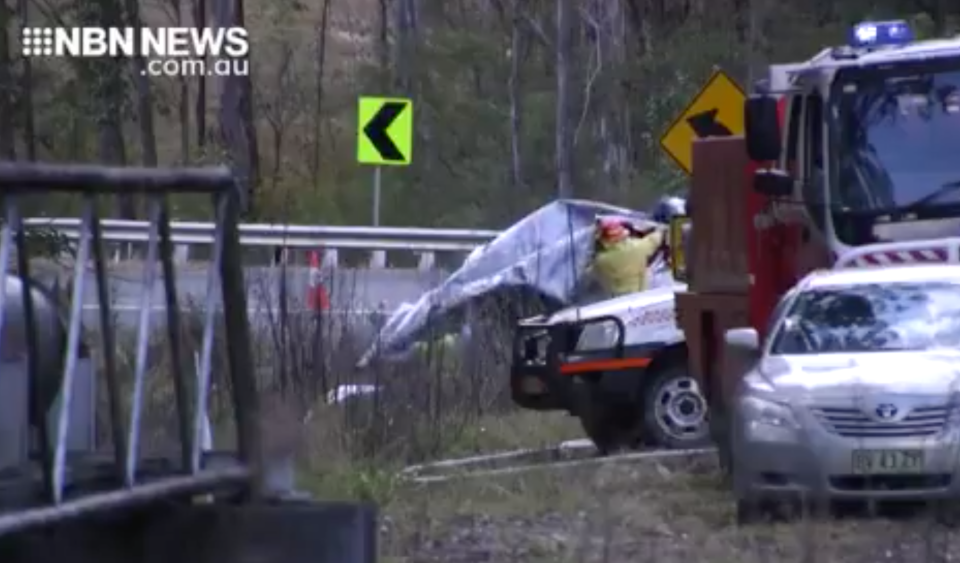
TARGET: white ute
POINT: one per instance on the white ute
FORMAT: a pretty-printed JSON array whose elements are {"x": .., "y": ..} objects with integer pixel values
[{"x": 619, "y": 365}]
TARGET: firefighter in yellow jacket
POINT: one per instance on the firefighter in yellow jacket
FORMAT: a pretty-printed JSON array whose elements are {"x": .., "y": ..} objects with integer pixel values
[{"x": 621, "y": 259}]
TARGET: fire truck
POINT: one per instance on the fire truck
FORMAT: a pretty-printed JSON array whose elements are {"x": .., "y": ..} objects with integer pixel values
[{"x": 842, "y": 153}]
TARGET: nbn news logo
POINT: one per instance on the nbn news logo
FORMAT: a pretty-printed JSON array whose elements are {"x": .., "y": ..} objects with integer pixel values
[{"x": 151, "y": 43}]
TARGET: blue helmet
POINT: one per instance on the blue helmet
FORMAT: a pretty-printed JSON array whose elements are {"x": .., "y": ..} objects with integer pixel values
[{"x": 667, "y": 208}]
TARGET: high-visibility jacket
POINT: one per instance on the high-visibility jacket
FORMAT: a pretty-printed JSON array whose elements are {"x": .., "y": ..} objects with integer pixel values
[{"x": 621, "y": 267}]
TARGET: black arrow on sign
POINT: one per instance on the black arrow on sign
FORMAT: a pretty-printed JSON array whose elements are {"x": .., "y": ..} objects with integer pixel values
[
  {"x": 376, "y": 130},
  {"x": 705, "y": 124}
]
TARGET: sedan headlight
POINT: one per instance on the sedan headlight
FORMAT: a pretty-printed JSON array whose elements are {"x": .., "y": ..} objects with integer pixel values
[
  {"x": 770, "y": 413},
  {"x": 598, "y": 336}
]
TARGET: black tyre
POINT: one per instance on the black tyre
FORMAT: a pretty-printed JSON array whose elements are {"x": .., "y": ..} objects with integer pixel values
[
  {"x": 602, "y": 421},
  {"x": 674, "y": 408},
  {"x": 750, "y": 511}
]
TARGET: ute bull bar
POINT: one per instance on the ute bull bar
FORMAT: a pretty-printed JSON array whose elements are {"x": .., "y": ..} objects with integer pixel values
[
  {"x": 118, "y": 506},
  {"x": 542, "y": 352}
]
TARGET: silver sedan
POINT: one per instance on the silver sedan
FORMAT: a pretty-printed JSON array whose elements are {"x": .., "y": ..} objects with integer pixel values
[{"x": 855, "y": 393}]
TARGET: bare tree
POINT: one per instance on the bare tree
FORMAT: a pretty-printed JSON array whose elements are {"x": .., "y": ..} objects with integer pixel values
[
  {"x": 383, "y": 36},
  {"x": 148, "y": 139},
  {"x": 26, "y": 90},
  {"x": 406, "y": 29},
  {"x": 605, "y": 18},
  {"x": 564, "y": 144},
  {"x": 183, "y": 98},
  {"x": 237, "y": 131},
  {"x": 517, "y": 54},
  {"x": 200, "y": 110},
  {"x": 7, "y": 88},
  {"x": 278, "y": 106},
  {"x": 318, "y": 102},
  {"x": 109, "y": 92}
]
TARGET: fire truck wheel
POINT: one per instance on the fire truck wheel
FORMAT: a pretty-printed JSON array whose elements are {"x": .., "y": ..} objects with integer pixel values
[{"x": 674, "y": 409}]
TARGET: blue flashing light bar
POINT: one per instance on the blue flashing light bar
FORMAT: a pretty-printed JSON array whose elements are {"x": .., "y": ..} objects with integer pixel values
[{"x": 880, "y": 34}]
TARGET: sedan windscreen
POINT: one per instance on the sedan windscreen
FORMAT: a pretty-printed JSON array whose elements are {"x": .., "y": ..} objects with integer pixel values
[{"x": 872, "y": 318}]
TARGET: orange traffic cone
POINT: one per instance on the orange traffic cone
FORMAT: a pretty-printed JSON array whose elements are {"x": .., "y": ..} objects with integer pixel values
[{"x": 317, "y": 297}]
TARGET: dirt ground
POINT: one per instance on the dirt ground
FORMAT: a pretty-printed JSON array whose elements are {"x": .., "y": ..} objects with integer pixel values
[{"x": 669, "y": 511}]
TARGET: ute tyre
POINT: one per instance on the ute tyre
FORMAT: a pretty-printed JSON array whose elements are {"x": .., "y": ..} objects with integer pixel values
[
  {"x": 597, "y": 418},
  {"x": 750, "y": 511},
  {"x": 674, "y": 409}
]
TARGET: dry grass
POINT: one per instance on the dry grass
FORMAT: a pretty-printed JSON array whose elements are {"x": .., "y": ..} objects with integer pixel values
[
  {"x": 673, "y": 510},
  {"x": 630, "y": 513}
]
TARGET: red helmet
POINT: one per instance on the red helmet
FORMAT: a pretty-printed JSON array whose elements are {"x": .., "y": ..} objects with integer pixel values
[{"x": 611, "y": 228}]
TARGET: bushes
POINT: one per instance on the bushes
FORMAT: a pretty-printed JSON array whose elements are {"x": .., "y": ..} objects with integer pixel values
[{"x": 427, "y": 406}]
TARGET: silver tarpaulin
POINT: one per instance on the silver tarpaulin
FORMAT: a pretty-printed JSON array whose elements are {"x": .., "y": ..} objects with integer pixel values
[{"x": 546, "y": 253}]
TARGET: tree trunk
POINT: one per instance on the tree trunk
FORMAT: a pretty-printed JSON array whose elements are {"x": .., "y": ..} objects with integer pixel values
[
  {"x": 318, "y": 107},
  {"x": 564, "y": 150},
  {"x": 148, "y": 139},
  {"x": 606, "y": 15},
  {"x": 384, "y": 37},
  {"x": 8, "y": 149},
  {"x": 183, "y": 97},
  {"x": 517, "y": 48},
  {"x": 26, "y": 90},
  {"x": 200, "y": 110},
  {"x": 277, "y": 111},
  {"x": 237, "y": 131},
  {"x": 401, "y": 54},
  {"x": 109, "y": 93}
]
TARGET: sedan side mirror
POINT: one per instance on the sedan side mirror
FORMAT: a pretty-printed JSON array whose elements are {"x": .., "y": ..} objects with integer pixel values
[{"x": 744, "y": 341}]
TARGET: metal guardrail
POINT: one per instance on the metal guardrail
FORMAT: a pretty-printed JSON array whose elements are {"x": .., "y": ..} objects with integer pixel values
[
  {"x": 329, "y": 238},
  {"x": 291, "y": 236}
]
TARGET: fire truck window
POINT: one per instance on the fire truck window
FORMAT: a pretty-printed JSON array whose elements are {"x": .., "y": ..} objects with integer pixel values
[
  {"x": 897, "y": 129},
  {"x": 793, "y": 133},
  {"x": 814, "y": 181},
  {"x": 813, "y": 123}
]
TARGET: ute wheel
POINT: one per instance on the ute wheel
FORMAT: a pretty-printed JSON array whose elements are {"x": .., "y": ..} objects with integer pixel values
[
  {"x": 749, "y": 511},
  {"x": 674, "y": 409},
  {"x": 599, "y": 418}
]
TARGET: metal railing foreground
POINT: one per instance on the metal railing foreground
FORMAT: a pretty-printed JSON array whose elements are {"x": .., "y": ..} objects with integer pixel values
[{"x": 84, "y": 496}]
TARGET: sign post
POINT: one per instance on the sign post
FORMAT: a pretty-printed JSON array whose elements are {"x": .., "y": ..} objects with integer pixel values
[
  {"x": 716, "y": 111},
  {"x": 384, "y": 138},
  {"x": 376, "y": 196}
]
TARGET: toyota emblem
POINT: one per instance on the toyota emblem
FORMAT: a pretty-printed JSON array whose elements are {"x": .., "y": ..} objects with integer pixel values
[{"x": 886, "y": 411}]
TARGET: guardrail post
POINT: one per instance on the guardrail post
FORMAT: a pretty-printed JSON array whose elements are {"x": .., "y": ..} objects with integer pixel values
[
  {"x": 331, "y": 259},
  {"x": 378, "y": 260},
  {"x": 281, "y": 255},
  {"x": 427, "y": 261},
  {"x": 181, "y": 253}
]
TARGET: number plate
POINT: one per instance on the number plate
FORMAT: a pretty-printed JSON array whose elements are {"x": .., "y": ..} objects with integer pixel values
[{"x": 886, "y": 462}]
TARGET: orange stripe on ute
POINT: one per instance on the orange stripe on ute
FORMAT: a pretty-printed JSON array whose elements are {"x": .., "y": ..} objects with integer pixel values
[{"x": 604, "y": 365}]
